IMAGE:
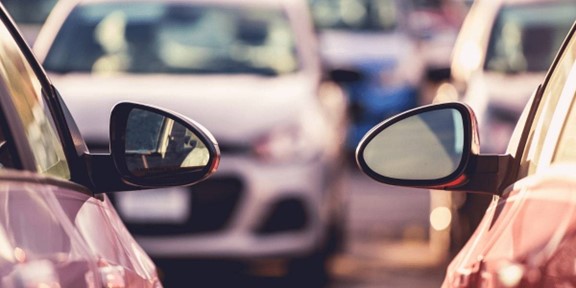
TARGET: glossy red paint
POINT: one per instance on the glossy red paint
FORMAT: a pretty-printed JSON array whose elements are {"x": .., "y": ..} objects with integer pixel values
[{"x": 526, "y": 238}]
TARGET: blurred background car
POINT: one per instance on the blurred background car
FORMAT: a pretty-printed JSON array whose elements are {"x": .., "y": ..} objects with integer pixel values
[
  {"x": 57, "y": 227},
  {"x": 250, "y": 72},
  {"x": 435, "y": 24},
  {"x": 502, "y": 52},
  {"x": 370, "y": 37},
  {"x": 29, "y": 15}
]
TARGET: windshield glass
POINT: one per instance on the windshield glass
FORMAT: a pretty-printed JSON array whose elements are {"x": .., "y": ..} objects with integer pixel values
[
  {"x": 29, "y": 11},
  {"x": 525, "y": 38},
  {"x": 355, "y": 15},
  {"x": 178, "y": 38}
]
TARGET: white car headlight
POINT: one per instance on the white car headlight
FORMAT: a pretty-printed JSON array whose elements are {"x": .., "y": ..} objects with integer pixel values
[{"x": 301, "y": 140}]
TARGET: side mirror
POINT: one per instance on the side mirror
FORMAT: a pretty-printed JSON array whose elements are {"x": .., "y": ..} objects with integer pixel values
[
  {"x": 423, "y": 147},
  {"x": 434, "y": 147},
  {"x": 153, "y": 147}
]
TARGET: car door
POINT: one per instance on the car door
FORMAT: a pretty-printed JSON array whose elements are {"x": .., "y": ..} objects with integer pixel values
[
  {"x": 37, "y": 142},
  {"x": 38, "y": 246},
  {"x": 525, "y": 229}
]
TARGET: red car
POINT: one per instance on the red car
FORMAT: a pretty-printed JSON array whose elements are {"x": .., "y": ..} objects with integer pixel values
[
  {"x": 57, "y": 226},
  {"x": 527, "y": 237}
]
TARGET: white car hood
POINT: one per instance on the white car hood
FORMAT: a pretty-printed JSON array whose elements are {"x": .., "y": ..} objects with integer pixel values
[
  {"x": 512, "y": 90},
  {"x": 233, "y": 108},
  {"x": 509, "y": 91}
]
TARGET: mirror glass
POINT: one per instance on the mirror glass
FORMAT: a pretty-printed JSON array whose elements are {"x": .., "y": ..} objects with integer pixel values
[
  {"x": 425, "y": 146},
  {"x": 157, "y": 143}
]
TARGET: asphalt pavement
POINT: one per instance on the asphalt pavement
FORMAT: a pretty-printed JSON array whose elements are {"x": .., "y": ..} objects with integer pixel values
[{"x": 389, "y": 239}]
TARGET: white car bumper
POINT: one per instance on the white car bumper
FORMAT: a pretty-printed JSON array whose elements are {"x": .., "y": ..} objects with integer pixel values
[{"x": 294, "y": 193}]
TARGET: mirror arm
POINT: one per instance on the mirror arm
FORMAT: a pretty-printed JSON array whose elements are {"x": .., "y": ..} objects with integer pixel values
[
  {"x": 488, "y": 174},
  {"x": 103, "y": 172}
]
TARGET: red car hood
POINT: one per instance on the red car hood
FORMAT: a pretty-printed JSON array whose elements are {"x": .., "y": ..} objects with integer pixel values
[{"x": 527, "y": 237}]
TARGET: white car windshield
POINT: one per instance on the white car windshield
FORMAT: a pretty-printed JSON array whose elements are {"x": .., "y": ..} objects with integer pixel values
[
  {"x": 20, "y": 10},
  {"x": 356, "y": 15},
  {"x": 173, "y": 38},
  {"x": 525, "y": 38}
]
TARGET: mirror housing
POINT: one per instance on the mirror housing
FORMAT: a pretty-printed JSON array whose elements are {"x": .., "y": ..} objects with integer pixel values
[
  {"x": 151, "y": 147},
  {"x": 434, "y": 147}
]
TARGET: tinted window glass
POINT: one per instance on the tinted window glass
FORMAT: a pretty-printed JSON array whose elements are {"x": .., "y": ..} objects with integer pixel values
[
  {"x": 176, "y": 38},
  {"x": 26, "y": 92}
]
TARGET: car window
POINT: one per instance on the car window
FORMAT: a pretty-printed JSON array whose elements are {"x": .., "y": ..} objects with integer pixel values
[
  {"x": 565, "y": 151},
  {"x": 20, "y": 10},
  {"x": 514, "y": 143},
  {"x": 526, "y": 37},
  {"x": 548, "y": 106},
  {"x": 26, "y": 91},
  {"x": 172, "y": 38},
  {"x": 8, "y": 154}
]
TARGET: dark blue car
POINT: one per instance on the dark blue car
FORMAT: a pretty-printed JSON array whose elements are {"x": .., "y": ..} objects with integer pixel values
[{"x": 370, "y": 38}]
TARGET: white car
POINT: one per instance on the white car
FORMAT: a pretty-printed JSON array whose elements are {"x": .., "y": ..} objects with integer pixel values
[
  {"x": 249, "y": 71},
  {"x": 502, "y": 52}
]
